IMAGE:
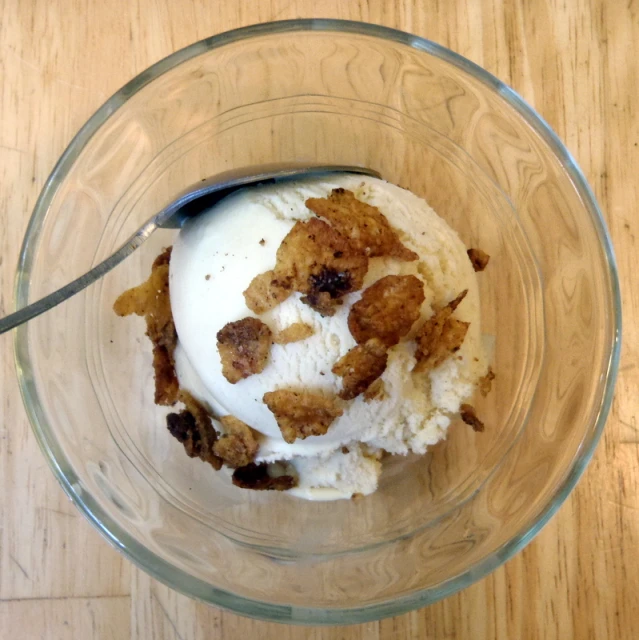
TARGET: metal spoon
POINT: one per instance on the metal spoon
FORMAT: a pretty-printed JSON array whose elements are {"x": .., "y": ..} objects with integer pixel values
[{"x": 189, "y": 203}]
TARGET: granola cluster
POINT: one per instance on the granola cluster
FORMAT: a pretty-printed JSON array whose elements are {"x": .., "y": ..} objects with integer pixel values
[
  {"x": 387, "y": 310},
  {"x": 244, "y": 347},
  {"x": 323, "y": 259},
  {"x": 314, "y": 259},
  {"x": 440, "y": 335},
  {"x": 360, "y": 367},
  {"x": 151, "y": 300},
  {"x": 365, "y": 227},
  {"x": 301, "y": 413}
]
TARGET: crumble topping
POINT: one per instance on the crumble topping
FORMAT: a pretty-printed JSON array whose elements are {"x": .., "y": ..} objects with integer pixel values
[
  {"x": 239, "y": 444},
  {"x": 151, "y": 299},
  {"x": 440, "y": 336},
  {"x": 301, "y": 413},
  {"x": 244, "y": 346},
  {"x": 478, "y": 258},
  {"x": 326, "y": 290},
  {"x": 364, "y": 225},
  {"x": 294, "y": 333},
  {"x": 322, "y": 303},
  {"x": 387, "y": 310},
  {"x": 265, "y": 293},
  {"x": 257, "y": 477},
  {"x": 360, "y": 367},
  {"x": 313, "y": 258},
  {"x": 376, "y": 392},
  {"x": 469, "y": 416},
  {"x": 193, "y": 427}
]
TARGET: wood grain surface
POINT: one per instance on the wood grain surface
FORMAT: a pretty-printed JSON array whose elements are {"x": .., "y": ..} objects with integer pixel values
[{"x": 576, "y": 62}]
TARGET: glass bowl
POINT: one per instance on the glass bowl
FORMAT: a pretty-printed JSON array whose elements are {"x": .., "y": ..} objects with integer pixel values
[{"x": 325, "y": 92}]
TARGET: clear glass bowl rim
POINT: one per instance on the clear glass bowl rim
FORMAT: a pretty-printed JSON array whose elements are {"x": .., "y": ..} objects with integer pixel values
[{"x": 153, "y": 564}]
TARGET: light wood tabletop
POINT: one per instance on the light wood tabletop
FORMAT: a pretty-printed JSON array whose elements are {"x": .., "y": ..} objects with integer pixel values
[{"x": 576, "y": 62}]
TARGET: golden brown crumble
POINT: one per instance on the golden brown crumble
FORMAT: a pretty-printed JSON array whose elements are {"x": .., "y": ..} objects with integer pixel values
[
  {"x": 257, "y": 477},
  {"x": 265, "y": 293},
  {"x": 193, "y": 427},
  {"x": 322, "y": 303},
  {"x": 469, "y": 416},
  {"x": 244, "y": 346},
  {"x": 364, "y": 225},
  {"x": 317, "y": 258},
  {"x": 478, "y": 258},
  {"x": 440, "y": 336},
  {"x": 167, "y": 386},
  {"x": 486, "y": 382},
  {"x": 294, "y": 333},
  {"x": 360, "y": 367},
  {"x": 377, "y": 391},
  {"x": 151, "y": 299},
  {"x": 239, "y": 444},
  {"x": 301, "y": 413},
  {"x": 387, "y": 310},
  {"x": 312, "y": 259}
]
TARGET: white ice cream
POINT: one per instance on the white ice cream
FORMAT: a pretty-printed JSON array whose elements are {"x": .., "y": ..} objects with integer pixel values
[{"x": 218, "y": 254}]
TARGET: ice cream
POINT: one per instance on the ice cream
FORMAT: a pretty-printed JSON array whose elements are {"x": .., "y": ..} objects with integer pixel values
[{"x": 214, "y": 260}]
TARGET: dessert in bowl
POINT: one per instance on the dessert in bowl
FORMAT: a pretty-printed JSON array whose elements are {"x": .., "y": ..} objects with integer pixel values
[
  {"x": 430, "y": 122},
  {"x": 311, "y": 328}
]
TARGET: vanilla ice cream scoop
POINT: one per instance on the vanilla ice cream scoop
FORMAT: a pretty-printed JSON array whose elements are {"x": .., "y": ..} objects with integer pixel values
[{"x": 215, "y": 258}]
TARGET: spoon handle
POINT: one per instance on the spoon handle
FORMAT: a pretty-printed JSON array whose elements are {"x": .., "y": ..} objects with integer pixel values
[{"x": 55, "y": 298}]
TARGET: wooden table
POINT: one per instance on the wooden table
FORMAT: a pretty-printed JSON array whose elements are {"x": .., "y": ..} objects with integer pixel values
[{"x": 577, "y": 62}]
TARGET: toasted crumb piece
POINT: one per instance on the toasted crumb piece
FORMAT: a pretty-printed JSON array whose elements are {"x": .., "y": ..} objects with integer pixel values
[
  {"x": 300, "y": 414},
  {"x": 147, "y": 298},
  {"x": 167, "y": 386},
  {"x": 322, "y": 303},
  {"x": 239, "y": 444},
  {"x": 313, "y": 259},
  {"x": 440, "y": 336},
  {"x": 486, "y": 382},
  {"x": 193, "y": 427},
  {"x": 469, "y": 416},
  {"x": 364, "y": 225},
  {"x": 265, "y": 293},
  {"x": 479, "y": 259},
  {"x": 360, "y": 367},
  {"x": 256, "y": 477},
  {"x": 244, "y": 346},
  {"x": 387, "y": 310},
  {"x": 376, "y": 391},
  {"x": 151, "y": 300},
  {"x": 294, "y": 333}
]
